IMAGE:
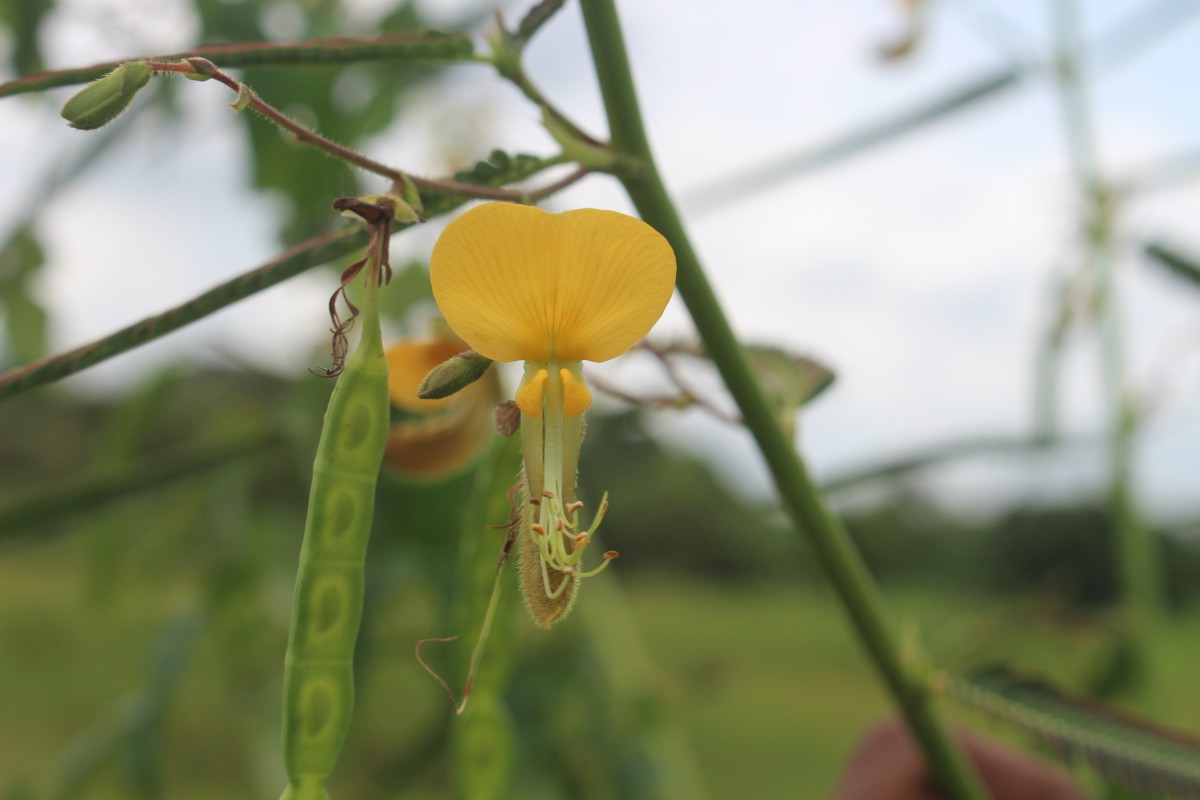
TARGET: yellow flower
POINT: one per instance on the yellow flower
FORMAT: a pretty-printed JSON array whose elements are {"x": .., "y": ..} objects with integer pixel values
[
  {"x": 439, "y": 437},
  {"x": 517, "y": 283}
]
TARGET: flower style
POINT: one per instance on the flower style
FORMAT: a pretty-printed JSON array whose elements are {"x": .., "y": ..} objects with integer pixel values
[{"x": 553, "y": 290}]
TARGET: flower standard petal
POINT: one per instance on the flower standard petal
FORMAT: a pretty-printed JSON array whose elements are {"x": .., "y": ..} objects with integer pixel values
[
  {"x": 615, "y": 277},
  {"x": 493, "y": 272},
  {"x": 518, "y": 283}
]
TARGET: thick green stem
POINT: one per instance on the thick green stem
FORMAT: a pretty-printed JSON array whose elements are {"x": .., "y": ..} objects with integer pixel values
[
  {"x": 836, "y": 552},
  {"x": 1137, "y": 565}
]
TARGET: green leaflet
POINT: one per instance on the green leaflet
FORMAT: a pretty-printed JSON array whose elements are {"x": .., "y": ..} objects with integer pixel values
[
  {"x": 536, "y": 17},
  {"x": 788, "y": 380},
  {"x": 1174, "y": 262},
  {"x": 500, "y": 168},
  {"x": 1120, "y": 748}
]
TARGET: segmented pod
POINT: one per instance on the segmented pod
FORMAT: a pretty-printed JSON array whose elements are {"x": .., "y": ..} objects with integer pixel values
[{"x": 318, "y": 688}]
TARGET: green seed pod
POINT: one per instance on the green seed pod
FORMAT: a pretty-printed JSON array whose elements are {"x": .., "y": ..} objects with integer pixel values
[
  {"x": 453, "y": 375},
  {"x": 318, "y": 683},
  {"x": 103, "y": 100}
]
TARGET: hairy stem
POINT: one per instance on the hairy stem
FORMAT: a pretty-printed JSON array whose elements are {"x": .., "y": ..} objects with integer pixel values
[
  {"x": 836, "y": 552},
  {"x": 304, "y": 256},
  {"x": 419, "y": 47}
]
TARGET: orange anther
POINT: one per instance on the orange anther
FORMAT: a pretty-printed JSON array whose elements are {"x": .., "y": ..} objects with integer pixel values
[
  {"x": 538, "y": 529},
  {"x": 611, "y": 554},
  {"x": 576, "y": 397},
  {"x": 532, "y": 392}
]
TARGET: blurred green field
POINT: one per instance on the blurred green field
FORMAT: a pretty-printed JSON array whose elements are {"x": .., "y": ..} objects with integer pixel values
[{"x": 768, "y": 686}]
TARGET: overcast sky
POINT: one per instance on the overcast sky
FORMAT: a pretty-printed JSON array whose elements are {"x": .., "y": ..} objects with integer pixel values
[{"x": 919, "y": 271}]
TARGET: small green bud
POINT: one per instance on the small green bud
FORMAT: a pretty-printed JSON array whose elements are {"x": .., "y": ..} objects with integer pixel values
[
  {"x": 404, "y": 212},
  {"x": 370, "y": 207},
  {"x": 453, "y": 376},
  {"x": 202, "y": 68},
  {"x": 103, "y": 100}
]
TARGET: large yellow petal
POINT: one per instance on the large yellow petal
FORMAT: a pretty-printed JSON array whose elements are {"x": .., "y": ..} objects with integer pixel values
[{"x": 521, "y": 284}]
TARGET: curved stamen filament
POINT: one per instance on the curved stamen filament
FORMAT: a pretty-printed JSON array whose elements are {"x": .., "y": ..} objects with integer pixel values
[
  {"x": 560, "y": 542},
  {"x": 554, "y": 525}
]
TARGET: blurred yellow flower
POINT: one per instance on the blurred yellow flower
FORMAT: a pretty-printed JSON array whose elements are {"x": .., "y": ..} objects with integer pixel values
[
  {"x": 517, "y": 283},
  {"x": 439, "y": 437}
]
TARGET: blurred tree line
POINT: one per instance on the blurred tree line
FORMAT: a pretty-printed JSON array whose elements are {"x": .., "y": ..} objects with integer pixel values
[{"x": 57, "y": 447}]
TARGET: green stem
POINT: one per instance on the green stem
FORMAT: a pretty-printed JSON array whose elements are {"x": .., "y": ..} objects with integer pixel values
[
  {"x": 421, "y": 47},
  {"x": 836, "y": 552},
  {"x": 312, "y": 253},
  {"x": 1141, "y": 582}
]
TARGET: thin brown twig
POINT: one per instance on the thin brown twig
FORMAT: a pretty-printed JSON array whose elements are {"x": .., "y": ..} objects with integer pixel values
[
  {"x": 685, "y": 389},
  {"x": 299, "y": 132},
  {"x": 305, "y": 135},
  {"x": 430, "y": 670},
  {"x": 488, "y": 193},
  {"x": 686, "y": 398}
]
